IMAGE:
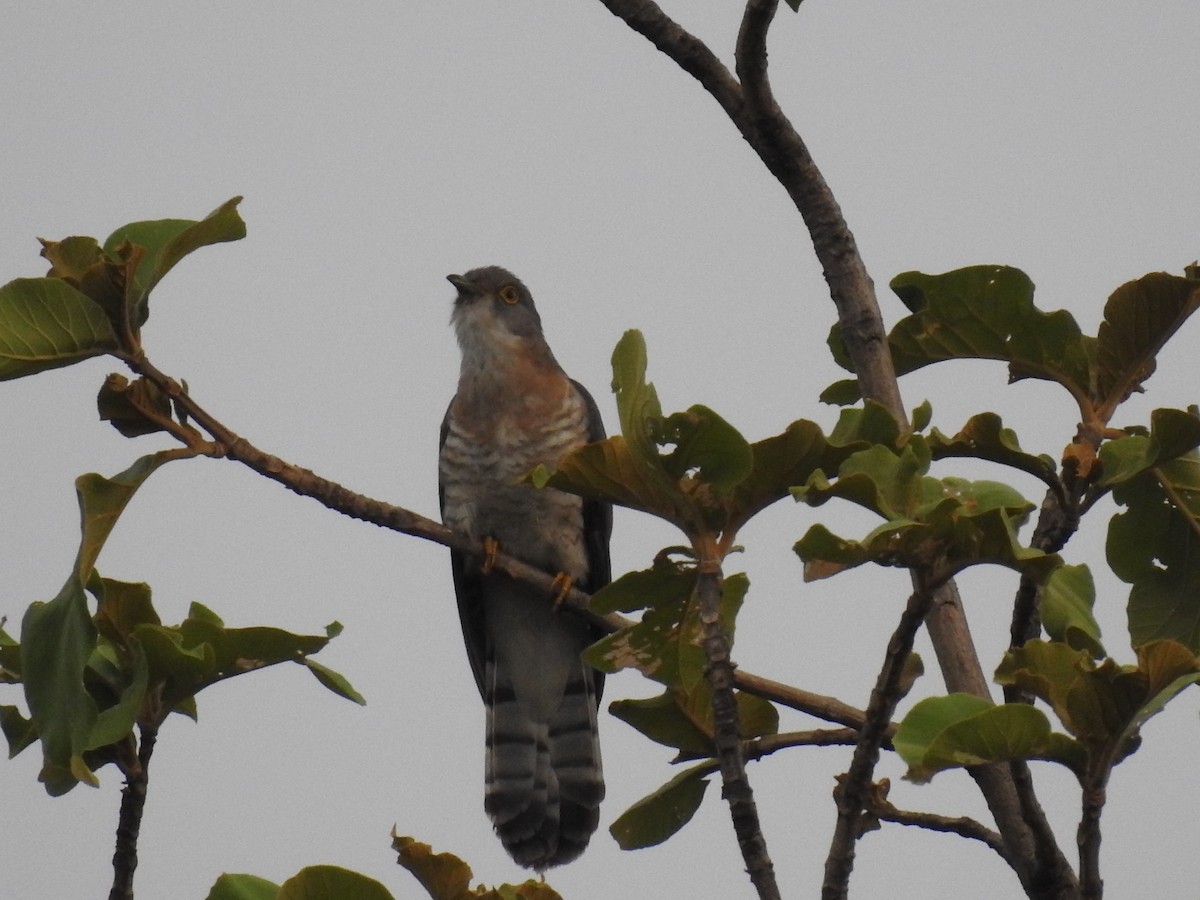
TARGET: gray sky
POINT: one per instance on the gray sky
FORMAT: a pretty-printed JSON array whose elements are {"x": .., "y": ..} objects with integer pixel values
[{"x": 381, "y": 146}]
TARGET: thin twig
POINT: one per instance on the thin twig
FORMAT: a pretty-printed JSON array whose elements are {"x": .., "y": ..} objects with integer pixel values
[
  {"x": 735, "y": 785},
  {"x": 851, "y": 797},
  {"x": 819, "y": 737},
  {"x": 963, "y": 826}
]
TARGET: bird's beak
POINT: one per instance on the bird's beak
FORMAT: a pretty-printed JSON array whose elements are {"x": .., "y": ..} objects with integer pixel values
[{"x": 465, "y": 288}]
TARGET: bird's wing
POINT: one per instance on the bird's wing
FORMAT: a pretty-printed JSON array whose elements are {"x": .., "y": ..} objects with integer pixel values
[
  {"x": 597, "y": 525},
  {"x": 468, "y": 584}
]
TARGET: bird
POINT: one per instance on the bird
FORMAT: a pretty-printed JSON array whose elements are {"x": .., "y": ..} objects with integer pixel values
[{"x": 516, "y": 408}]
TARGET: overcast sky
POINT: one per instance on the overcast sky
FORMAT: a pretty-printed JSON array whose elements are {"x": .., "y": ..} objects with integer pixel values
[{"x": 381, "y": 146}]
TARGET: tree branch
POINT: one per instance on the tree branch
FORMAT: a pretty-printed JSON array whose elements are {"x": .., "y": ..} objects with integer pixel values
[
  {"x": 340, "y": 499},
  {"x": 735, "y": 785},
  {"x": 851, "y": 795},
  {"x": 752, "y": 108},
  {"x": 881, "y": 808},
  {"x": 129, "y": 820}
]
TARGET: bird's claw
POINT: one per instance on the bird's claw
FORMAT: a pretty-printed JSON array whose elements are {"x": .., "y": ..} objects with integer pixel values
[
  {"x": 561, "y": 588},
  {"x": 491, "y": 549}
]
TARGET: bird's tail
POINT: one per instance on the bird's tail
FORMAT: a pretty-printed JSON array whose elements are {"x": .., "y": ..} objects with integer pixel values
[{"x": 544, "y": 780}]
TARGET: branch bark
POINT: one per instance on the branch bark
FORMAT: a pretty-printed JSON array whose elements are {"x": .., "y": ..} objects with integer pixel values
[
  {"x": 129, "y": 820},
  {"x": 735, "y": 785},
  {"x": 852, "y": 795}
]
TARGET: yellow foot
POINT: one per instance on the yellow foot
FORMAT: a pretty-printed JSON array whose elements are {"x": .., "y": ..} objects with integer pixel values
[
  {"x": 491, "y": 547},
  {"x": 560, "y": 588}
]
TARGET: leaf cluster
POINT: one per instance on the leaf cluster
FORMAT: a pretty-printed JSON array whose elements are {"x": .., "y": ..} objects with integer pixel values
[{"x": 90, "y": 677}]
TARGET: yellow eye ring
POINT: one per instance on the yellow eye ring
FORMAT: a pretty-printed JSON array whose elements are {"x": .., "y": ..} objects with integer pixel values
[{"x": 509, "y": 295}]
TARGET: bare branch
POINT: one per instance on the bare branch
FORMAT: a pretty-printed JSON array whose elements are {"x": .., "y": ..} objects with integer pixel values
[
  {"x": 136, "y": 769},
  {"x": 851, "y": 796},
  {"x": 820, "y": 737},
  {"x": 881, "y": 808},
  {"x": 735, "y": 785}
]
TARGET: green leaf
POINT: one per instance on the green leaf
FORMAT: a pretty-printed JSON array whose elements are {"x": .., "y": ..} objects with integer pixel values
[
  {"x": 1173, "y": 432},
  {"x": 335, "y": 681},
  {"x": 938, "y": 524},
  {"x": 1139, "y": 318},
  {"x": 986, "y": 312},
  {"x": 1067, "y": 599},
  {"x": 985, "y": 437},
  {"x": 46, "y": 323},
  {"x": 243, "y": 887},
  {"x": 101, "y": 502},
  {"x": 666, "y": 584},
  {"x": 57, "y": 639},
  {"x": 19, "y": 731},
  {"x": 958, "y": 730},
  {"x": 1155, "y": 547},
  {"x": 667, "y": 643},
  {"x": 637, "y": 402},
  {"x": 707, "y": 449},
  {"x": 122, "y": 607},
  {"x": 331, "y": 883},
  {"x": 186, "y": 658},
  {"x": 663, "y": 720},
  {"x": 779, "y": 463},
  {"x": 166, "y": 242},
  {"x": 1104, "y": 705},
  {"x": 659, "y": 815}
]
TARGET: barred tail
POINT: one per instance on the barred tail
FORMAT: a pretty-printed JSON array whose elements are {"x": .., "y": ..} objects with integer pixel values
[{"x": 543, "y": 780}]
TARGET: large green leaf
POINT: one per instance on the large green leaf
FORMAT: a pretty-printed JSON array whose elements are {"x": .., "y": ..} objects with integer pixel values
[
  {"x": 1139, "y": 318},
  {"x": 958, "y": 730},
  {"x": 101, "y": 502},
  {"x": 707, "y": 449},
  {"x": 57, "y": 639},
  {"x": 983, "y": 312},
  {"x": 165, "y": 242},
  {"x": 659, "y": 815},
  {"x": 985, "y": 437},
  {"x": 1155, "y": 546},
  {"x": 663, "y": 720},
  {"x": 1173, "y": 432},
  {"x": 46, "y": 323},
  {"x": 1067, "y": 599},
  {"x": 1102, "y": 705}
]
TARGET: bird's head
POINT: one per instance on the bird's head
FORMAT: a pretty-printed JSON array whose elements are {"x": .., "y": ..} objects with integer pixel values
[{"x": 492, "y": 303}]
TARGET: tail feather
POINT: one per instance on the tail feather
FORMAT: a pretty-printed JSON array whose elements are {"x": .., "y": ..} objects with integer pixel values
[{"x": 543, "y": 780}]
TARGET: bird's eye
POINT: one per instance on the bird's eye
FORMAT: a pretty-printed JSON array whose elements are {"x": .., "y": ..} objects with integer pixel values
[{"x": 509, "y": 295}]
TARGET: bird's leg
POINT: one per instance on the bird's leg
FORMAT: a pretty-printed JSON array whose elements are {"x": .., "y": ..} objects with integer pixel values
[
  {"x": 491, "y": 548},
  {"x": 561, "y": 588}
]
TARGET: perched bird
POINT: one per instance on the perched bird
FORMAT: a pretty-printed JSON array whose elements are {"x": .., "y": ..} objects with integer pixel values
[{"x": 516, "y": 408}]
